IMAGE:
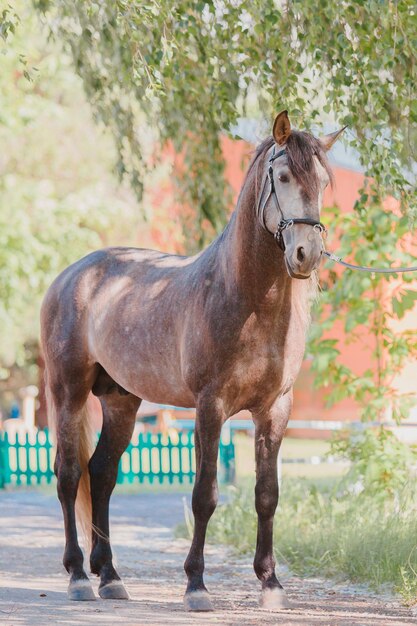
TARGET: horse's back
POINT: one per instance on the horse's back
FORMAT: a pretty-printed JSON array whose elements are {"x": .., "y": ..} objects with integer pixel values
[
  {"x": 117, "y": 307},
  {"x": 84, "y": 277}
]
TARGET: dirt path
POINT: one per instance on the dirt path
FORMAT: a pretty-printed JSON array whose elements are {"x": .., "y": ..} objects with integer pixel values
[{"x": 33, "y": 582}]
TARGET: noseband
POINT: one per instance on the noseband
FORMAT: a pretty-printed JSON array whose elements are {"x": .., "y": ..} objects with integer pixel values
[{"x": 283, "y": 224}]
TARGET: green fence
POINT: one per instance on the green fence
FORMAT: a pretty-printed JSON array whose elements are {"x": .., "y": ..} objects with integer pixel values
[{"x": 29, "y": 459}]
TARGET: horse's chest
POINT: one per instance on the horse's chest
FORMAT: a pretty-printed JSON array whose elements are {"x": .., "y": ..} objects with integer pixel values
[{"x": 267, "y": 363}]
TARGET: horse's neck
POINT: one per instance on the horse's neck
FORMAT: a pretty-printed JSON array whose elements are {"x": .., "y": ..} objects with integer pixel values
[
  {"x": 253, "y": 263},
  {"x": 254, "y": 266}
]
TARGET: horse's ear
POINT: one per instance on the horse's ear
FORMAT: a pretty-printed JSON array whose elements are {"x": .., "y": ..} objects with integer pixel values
[
  {"x": 282, "y": 128},
  {"x": 328, "y": 140}
]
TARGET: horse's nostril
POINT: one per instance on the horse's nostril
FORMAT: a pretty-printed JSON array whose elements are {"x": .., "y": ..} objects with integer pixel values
[{"x": 301, "y": 254}]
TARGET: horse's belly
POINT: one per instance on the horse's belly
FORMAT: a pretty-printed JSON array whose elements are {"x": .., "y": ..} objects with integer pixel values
[
  {"x": 162, "y": 393},
  {"x": 146, "y": 364},
  {"x": 149, "y": 377}
]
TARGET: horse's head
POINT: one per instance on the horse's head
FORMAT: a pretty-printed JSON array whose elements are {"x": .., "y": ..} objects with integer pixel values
[{"x": 295, "y": 177}]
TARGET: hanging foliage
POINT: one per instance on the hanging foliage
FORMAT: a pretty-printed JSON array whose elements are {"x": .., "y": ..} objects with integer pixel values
[{"x": 191, "y": 69}]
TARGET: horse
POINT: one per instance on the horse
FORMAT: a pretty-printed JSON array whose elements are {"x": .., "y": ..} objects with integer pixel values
[{"x": 220, "y": 331}]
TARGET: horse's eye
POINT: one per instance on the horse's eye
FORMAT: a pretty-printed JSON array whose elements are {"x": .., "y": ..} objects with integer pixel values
[{"x": 283, "y": 178}]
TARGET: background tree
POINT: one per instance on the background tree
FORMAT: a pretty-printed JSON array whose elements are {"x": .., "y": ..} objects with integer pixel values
[
  {"x": 371, "y": 308},
  {"x": 191, "y": 69},
  {"x": 58, "y": 196}
]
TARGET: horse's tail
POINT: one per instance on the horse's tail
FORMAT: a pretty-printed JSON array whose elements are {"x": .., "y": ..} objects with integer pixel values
[{"x": 83, "y": 506}]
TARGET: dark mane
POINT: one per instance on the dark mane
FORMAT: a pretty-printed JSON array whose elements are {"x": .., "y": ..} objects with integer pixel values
[{"x": 300, "y": 149}]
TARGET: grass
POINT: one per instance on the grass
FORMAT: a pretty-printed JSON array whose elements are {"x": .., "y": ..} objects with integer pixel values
[{"x": 318, "y": 532}]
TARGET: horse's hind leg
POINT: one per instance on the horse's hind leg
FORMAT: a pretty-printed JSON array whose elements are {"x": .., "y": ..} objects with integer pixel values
[
  {"x": 119, "y": 414},
  {"x": 68, "y": 407}
]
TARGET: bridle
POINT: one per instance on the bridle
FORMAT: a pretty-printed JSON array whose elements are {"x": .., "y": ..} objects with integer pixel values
[{"x": 283, "y": 224}]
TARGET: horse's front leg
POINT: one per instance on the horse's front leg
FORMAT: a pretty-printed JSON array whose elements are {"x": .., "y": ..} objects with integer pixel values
[
  {"x": 270, "y": 428},
  {"x": 209, "y": 420}
]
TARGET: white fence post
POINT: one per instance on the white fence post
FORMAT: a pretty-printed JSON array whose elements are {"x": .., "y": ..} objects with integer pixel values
[{"x": 28, "y": 406}]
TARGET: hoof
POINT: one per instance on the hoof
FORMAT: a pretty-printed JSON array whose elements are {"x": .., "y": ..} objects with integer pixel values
[
  {"x": 197, "y": 601},
  {"x": 275, "y": 599},
  {"x": 113, "y": 591},
  {"x": 81, "y": 590}
]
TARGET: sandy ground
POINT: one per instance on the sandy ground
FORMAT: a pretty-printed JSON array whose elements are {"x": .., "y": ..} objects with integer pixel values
[{"x": 33, "y": 582}]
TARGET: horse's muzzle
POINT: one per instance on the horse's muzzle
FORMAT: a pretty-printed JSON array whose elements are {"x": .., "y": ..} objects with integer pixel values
[{"x": 302, "y": 259}]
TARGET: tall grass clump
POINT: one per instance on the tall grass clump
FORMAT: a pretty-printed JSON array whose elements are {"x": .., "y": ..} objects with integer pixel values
[
  {"x": 356, "y": 536},
  {"x": 327, "y": 532}
]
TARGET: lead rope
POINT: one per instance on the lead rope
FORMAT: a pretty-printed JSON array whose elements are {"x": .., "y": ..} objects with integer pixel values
[{"x": 371, "y": 270}]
